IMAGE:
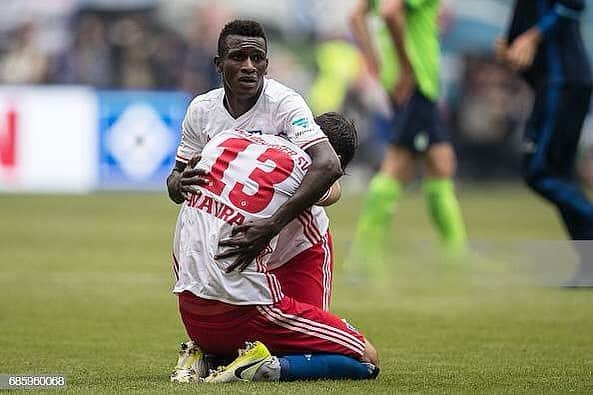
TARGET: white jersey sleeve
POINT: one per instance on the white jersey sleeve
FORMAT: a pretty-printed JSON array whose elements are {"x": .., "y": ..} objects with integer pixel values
[
  {"x": 298, "y": 122},
  {"x": 194, "y": 135}
]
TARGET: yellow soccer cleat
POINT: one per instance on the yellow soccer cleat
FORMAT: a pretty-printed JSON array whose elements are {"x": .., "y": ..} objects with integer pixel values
[
  {"x": 254, "y": 363},
  {"x": 191, "y": 365}
]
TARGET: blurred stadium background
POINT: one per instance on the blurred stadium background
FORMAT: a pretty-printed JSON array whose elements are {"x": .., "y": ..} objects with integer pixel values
[
  {"x": 129, "y": 68},
  {"x": 92, "y": 94}
]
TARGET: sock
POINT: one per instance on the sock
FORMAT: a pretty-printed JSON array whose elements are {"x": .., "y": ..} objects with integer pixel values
[
  {"x": 375, "y": 220},
  {"x": 324, "y": 366},
  {"x": 446, "y": 214}
]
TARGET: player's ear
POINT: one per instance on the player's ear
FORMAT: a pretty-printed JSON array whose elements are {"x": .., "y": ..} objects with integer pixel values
[
  {"x": 218, "y": 63},
  {"x": 341, "y": 163}
]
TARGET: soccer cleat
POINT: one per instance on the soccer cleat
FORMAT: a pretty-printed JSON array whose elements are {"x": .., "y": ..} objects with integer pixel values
[
  {"x": 373, "y": 370},
  {"x": 254, "y": 363},
  {"x": 191, "y": 365}
]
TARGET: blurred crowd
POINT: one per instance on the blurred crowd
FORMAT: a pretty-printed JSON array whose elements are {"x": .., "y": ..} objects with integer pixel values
[
  {"x": 116, "y": 50},
  {"x": 136, "y": 48}
]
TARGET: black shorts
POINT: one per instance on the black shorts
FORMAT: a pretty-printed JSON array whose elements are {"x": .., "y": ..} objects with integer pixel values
[
  {"x": 416, "y": 126},
  {"x": 553, "y": 130}
]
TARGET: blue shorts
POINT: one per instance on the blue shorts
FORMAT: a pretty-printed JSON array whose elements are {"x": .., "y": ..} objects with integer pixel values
[{"x": 416, "y": 125}]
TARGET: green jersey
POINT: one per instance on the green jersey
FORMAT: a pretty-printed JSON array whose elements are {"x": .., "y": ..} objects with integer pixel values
[{"x": 421, "y": 42}]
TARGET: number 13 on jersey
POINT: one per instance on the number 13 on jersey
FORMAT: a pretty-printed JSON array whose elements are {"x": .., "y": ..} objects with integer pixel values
[{"x": 264, "y": 180}]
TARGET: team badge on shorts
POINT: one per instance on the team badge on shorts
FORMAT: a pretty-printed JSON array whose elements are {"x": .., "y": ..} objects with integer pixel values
[
  {"x": 421, "y": 141},
  {"x": 350, "y": 326},
  {"x": 528, "y": 147}
]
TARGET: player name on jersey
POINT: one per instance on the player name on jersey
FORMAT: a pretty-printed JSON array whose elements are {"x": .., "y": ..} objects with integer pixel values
[{"x": 214, "y": 207}]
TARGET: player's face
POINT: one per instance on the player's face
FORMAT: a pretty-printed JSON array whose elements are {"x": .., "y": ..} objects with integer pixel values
[{"x": 244, "y": 65}]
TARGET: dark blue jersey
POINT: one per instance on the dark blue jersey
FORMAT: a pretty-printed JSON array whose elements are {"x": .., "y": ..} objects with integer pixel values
[{"x": 561, "y": 57}]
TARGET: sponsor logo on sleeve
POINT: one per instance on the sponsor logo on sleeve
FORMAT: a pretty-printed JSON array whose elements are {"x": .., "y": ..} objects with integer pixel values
[{"x": 302, "y": 122}]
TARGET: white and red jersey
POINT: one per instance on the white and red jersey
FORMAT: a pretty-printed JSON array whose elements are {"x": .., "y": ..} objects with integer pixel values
[
  {"x": 278, "y": 111},
  {"x": 251, "y": 176},
  {"x": 307, "y": 230}
]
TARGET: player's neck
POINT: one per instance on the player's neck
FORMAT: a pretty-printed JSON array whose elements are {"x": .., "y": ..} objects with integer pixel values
[{"x": 236, "y": 105}]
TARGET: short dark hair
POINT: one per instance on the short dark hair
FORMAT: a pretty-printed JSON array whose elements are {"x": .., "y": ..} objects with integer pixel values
[
  {"x": 240, "y": 27},
  {"x": 341, "y": 133}
]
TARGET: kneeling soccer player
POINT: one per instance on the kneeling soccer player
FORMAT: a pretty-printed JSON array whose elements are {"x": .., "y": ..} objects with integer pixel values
[{"x": 250, "y": 176}]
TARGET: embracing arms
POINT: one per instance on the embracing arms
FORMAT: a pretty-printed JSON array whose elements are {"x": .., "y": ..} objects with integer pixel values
[{"x": 249, "y": 239}]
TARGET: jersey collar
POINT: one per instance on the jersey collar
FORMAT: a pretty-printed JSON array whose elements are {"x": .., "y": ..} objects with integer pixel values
[{"x": 248, "y": 112}]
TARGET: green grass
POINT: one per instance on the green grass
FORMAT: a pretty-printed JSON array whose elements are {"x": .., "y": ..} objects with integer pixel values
[{"x": 86, "y": 281}]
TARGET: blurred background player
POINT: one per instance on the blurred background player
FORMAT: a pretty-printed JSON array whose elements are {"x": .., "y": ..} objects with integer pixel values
[
  {"x": 406, "y": 59},
  {"x": 544, "y": 43},
  {"x": 224, "y": 305}
]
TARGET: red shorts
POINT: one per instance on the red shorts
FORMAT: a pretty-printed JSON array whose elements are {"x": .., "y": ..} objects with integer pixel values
[
  {"x": 287, "y": 327},
  {"x": 308, "y": 276}
]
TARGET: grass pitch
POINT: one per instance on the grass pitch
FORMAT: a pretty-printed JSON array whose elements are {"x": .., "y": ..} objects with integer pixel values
[{"x": 86, "y": 281}]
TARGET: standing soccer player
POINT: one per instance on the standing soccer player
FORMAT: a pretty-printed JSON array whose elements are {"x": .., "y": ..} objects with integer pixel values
[
  {"x": 544, "y": 43},
  {"x": 406, "y": 59}
]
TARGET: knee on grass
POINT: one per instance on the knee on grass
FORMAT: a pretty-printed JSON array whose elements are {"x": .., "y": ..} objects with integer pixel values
[{"x": 370, "y": 354}]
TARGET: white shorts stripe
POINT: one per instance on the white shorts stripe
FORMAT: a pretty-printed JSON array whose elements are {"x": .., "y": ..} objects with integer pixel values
[
  {"x": 327, "y": 274},
  {"x": 322, "y": 327},
  {"x": 271, "y": 287},
  {"x": 311, "y": 331},
  {"x": 278, "y": 289},
  {"x": 275, "y": 288},
  {"x": 315, "y": 326},
  {"x": 337, "y": 337}
]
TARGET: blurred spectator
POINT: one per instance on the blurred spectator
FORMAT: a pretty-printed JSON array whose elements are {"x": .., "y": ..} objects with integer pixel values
[
  {"x": 132, "y": 42},
  {"x": 338, "y": 64},
  {"x": 123, "y": 48},
  {"x": 198, "y": 72},
  {"x": 24, "y": 62},
  {"x": 169, "y": 51},
  {"x": 285, "y": 66},
  {"x": 493, "y": 104},
  {"x": 89, "y": 60}
]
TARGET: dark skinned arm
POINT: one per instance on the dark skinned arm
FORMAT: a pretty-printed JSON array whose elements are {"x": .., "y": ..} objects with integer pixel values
[
  {"x": 248, "y": 240},
  {"x": 184, "y": 178}
]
